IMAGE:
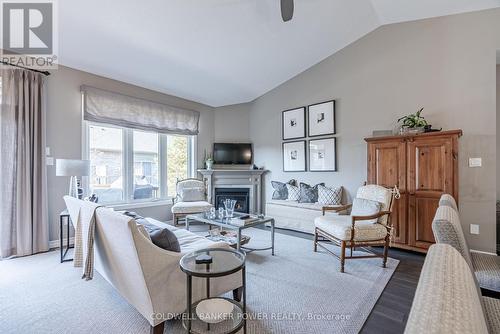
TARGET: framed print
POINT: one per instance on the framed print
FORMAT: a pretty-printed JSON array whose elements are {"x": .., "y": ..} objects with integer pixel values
[
  {"x": 321, "y": 119},
  {"x": 294, "y": 123},
  {"x": 323, "y": 155},
  {"x": 294, "y": 156}
]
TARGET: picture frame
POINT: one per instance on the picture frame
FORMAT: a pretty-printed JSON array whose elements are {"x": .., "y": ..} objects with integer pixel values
[
  {"x": 323, "y": 155},
  {"x": 321, "y": 119},
  {"x": 293, "y": 123},
  {"x": 294, "y": 156}
]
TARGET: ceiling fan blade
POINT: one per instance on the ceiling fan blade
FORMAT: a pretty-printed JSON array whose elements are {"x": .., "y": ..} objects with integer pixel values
[{"x": 286, "y": 10}]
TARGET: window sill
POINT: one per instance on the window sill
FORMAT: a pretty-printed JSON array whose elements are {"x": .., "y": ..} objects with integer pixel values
[{"x": 138, "y": 205}]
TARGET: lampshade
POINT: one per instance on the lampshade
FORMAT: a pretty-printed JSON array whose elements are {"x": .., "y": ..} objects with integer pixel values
[{"x": 69, "y": 167}]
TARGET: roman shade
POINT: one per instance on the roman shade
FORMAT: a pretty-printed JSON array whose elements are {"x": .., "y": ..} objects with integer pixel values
[{"x": 113, "y": 108}]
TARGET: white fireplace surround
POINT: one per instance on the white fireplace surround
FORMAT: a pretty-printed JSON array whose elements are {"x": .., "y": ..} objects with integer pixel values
[{"x": 236, "y": 178}]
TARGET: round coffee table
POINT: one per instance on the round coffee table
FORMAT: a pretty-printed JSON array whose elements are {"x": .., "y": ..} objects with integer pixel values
[{"x": 223, "y": 262}]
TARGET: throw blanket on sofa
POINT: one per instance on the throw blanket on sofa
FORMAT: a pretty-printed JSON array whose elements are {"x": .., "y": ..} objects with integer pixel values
[{"x": 84, "y": 219}]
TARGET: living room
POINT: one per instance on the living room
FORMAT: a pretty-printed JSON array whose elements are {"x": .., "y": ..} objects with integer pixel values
[{"x": 251, "y": 166}]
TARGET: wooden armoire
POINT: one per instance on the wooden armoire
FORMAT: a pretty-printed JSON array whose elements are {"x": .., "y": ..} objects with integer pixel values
[{"x": 423, "y": 166}]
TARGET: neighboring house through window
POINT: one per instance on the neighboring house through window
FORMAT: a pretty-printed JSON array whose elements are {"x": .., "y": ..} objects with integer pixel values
[{"x": 128, "y": 165}]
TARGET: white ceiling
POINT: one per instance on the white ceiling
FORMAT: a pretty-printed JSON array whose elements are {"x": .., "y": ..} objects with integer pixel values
[{"x": 222, "y": 52}]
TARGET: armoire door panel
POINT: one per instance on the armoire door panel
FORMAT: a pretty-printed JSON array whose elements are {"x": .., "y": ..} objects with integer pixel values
[
  {"x": 430, "y": 174},
  {"x": 422, "y": 213},
  {"x": 387, "y": 166},
  {"x": 430, "y": 165}
]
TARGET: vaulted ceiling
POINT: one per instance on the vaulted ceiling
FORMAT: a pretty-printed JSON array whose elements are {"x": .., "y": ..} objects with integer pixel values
[{"x": 222, "y": 52}]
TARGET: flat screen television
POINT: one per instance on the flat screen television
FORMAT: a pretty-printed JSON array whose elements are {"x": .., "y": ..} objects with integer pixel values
[{"x": 233, "y": 154}]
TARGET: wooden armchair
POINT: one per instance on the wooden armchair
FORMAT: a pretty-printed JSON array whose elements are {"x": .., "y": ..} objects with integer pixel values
[
  {"x": 191, "y": 198},
  {"x": 367, "y": 225}
]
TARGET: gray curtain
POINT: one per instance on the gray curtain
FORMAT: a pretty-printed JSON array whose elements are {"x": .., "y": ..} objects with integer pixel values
[{"x": 23, "y": 201}]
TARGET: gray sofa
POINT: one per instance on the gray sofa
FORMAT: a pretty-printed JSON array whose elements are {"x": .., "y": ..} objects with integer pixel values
[
  {"x": 448, "y": 299},
  {"x": 447, "y": 229}
]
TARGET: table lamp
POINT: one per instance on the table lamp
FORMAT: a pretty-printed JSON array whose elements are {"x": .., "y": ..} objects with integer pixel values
[{"x": 73, "y": 168}]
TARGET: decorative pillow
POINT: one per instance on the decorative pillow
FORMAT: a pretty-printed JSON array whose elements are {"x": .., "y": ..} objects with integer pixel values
[
  {"x": 365, "y": 207},
  {"x": 192, "y": 194},
  {"x": 166, "y": 239},
  {"x": 293, "y": 192},
  {"x": 161, "y": 237},
  {"x": 329, "y": 196},
  {"x": 309, "y": 194},
  {"x": 280, "y": 191}
]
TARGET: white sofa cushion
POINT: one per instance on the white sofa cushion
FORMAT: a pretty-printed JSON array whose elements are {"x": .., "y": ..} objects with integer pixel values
[
  {"x": 340, "y": 227},
  {"x": 191, "y": 207}
]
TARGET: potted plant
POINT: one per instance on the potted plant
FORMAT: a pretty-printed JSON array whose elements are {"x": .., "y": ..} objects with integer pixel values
[{"x": 413, "y": 123}]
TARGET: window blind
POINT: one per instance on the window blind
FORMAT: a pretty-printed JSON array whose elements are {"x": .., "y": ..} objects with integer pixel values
[{"x": 103, "y": 106}]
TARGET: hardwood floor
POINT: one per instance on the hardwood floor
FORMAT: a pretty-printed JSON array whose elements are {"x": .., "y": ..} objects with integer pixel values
[{"x": 393, "y": 307}]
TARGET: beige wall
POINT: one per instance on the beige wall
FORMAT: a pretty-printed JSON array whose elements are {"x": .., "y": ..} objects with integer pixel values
[
  {"x": 232, "y": 123},
  {"x": 446, "y": 65},
  {"x": 64, "y": 129},
  {"x": 498, "y": 127}
]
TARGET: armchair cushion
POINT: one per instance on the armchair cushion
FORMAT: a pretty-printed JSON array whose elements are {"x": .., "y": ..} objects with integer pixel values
[
  {"x": 365, "y": 207},
  {"x": 192, "y": 194},
  {"x": 191, "y": 207},
  {"x": 377, "y": 193},
  {"x": 340, "y": 228}
]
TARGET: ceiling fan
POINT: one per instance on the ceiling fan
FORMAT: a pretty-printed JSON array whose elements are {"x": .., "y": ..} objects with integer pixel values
[{"x": 286, "y": 10}]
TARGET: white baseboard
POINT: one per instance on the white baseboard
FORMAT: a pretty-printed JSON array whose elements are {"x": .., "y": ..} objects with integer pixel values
[
  {"x": 476, "y": 251},
  {"x": 55, "y": 243}
]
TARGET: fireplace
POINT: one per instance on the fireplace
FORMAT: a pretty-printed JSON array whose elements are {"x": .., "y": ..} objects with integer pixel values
[{"x": 241, "y": 195}]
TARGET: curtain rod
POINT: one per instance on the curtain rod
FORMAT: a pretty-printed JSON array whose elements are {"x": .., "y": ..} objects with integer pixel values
[{"x": 26, "y": 68}]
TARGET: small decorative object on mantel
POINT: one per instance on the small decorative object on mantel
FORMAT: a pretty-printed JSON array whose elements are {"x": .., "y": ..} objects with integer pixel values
[{"x": 209, "y": 161}]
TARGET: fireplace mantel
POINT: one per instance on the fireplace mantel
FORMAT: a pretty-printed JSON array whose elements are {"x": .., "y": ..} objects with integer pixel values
[{"x": 236, "y": 178}]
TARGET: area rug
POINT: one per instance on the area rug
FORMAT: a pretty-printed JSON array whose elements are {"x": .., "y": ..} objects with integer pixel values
[{"x": 295, "y": 291}]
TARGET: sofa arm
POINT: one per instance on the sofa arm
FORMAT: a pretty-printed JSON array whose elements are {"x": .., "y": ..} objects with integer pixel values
[{"x": 447, "y": 296}]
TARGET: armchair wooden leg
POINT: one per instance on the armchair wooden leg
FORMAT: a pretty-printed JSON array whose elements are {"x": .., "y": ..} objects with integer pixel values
[
  {"x": 315, "y": 240},
  {"x": 158, "y": 329},
  {"x": 386, "y": 250},
  {"x": 342, "y": 256},
  {"x": 237, "y": 293},
  {"x": 174, "y": 219}
]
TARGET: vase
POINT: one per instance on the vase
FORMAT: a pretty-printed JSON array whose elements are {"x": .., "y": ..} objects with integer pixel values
[{"x": 209, "y": 164}]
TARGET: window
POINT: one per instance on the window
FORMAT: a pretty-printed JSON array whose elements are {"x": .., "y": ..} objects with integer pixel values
[
  {"x": 130, "y": 165},
  {"x": 106, "y": 163},
  {"x": 146, "y": 165}
]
